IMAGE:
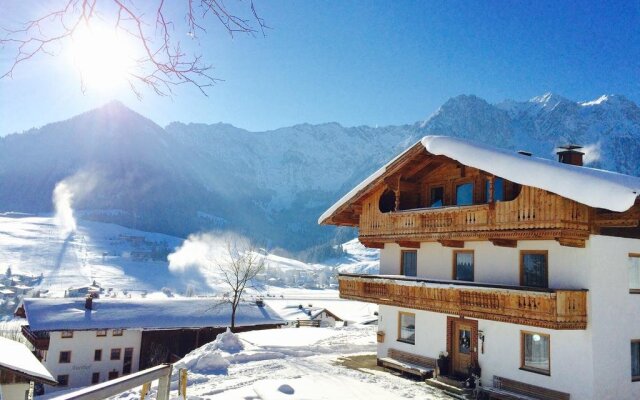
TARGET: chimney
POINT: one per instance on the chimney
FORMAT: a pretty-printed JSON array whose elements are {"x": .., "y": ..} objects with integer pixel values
[
  {"x": 570, "y": 154},
  {"x": 88, "y": 303}
]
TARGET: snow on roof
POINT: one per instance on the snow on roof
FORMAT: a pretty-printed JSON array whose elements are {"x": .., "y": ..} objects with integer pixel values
[
  {"x": 70, "y": 314},
  {"x": 593, "y": 187},
  {"x": 16, "y": 357}
]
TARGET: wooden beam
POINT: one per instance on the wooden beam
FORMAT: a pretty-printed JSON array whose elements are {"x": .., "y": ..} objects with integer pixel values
[
  {"x": 451, "y": 243},
  {"x": 571, "y": 242},
  {"x": 418, "y": 167},
  {"x": 411, "y": 245},
  {"x": 373, "y": 245},
  {"x": 504, "y": 242}
]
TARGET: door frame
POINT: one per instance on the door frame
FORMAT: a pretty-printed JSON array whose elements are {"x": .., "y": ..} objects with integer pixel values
[{"x": 451, "y": 323}]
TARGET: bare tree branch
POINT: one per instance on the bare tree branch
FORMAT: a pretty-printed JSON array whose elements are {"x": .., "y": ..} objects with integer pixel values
[{"x": 163, "y": 63}]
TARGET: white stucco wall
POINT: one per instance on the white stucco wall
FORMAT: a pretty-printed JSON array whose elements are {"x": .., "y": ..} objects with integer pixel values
[
  {"x": 13, "y": 391},
  {"x": 82, "y": 346},
  {"x": 590, "y": 364}
]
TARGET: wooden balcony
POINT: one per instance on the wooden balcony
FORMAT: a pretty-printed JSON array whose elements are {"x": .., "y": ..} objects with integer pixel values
[
  {"x": 545, "y": 308},
  {"x": 39, "y": 339},
  {"x": 534, "y": 214}
]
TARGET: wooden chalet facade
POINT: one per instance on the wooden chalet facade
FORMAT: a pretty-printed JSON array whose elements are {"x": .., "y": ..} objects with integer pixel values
[{"x": 504, "y": 264}]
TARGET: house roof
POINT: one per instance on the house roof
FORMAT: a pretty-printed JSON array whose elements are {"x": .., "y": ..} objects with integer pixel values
[
  {"x": 148, "y": 314},
  {"x": 17, "y": 358},
  {"x": 593, "y": 187}
]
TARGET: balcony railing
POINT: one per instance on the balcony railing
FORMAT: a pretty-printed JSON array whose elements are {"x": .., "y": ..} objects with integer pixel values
[
  {"x": 545, "y": 308},
  {"x": 532, "y": 209},
  {"x": 39, "y": 339}
]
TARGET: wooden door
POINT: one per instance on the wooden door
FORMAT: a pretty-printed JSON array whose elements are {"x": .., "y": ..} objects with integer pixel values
[{"x": 462, "y": 347}]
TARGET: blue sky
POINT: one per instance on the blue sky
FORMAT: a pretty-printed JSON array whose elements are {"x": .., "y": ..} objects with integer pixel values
[{"x": 365, "y": 63}]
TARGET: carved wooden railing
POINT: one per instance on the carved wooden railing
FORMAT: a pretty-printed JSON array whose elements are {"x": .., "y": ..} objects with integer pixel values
[
  {"x": 532, "y": 209},
  {"x": 546, "y": 308}
]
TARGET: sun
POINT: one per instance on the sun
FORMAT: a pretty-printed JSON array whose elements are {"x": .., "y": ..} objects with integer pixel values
[{"x": 102, "y": 56}]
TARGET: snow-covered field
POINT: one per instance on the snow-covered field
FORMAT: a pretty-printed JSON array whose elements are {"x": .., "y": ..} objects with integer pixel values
[
  {"x": 294, "y": 363},
  {"x": 122, "y": 259}
]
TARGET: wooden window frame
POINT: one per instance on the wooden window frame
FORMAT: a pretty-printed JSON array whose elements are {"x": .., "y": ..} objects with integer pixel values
[
  {"x": 635, "y": 378},
  {"x": 399, "y": 337},
  {"x": 117, "y": 332},
  {"x": 60, "y": 357},
  {"x": 402, "y": 253},
  {"x": 97, "y": 352},
  {"x": 522, "y": 253},
  {"x": 430, "y": 197},
  {"x": 95, "y": 378},
  {"x": 634, "y": 290},
  {"x": 101, "y": 333},
  {"x": 66, "y": 378},
  {"x": 523, "y": 367},
  {"x": 454, "y": 267},
  {"x": 66, "y": 334},
  {"x": 111, "y": 358}
]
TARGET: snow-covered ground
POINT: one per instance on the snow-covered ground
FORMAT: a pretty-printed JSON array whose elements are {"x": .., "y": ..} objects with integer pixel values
[{"x": 294, "y": 363}]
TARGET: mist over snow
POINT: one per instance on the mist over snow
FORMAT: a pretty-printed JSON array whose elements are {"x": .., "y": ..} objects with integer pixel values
[{"x": 65, "y": 192}]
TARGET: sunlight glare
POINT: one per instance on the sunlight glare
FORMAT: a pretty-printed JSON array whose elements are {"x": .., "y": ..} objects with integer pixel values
[{"x": 102, "y": 56}]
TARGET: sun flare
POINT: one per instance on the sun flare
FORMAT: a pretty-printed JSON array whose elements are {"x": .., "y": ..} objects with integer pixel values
[{"x": 102, "y": 56}]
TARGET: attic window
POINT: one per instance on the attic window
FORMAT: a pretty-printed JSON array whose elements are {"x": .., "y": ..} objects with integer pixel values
[
  {"x": 387, "y": 201},
  {"x": 464, "y": 194}
]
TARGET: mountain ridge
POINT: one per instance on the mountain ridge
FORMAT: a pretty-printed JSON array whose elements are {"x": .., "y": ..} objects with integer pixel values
[{"x": 272, "y": 185}]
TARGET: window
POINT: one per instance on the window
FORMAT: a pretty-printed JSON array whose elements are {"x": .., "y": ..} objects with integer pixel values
[
  {"x": 635, "y": 360},
  {"x": 634, "y": 273},
  {"x": 67, "y": 334},
  {"x": 65, "y": 357},
  {"x": 535, "y": 352},
  {"x": 498, "y": 189},
  {"x": 95, "y": 378},
  {"x": 463, "y": 265},
  {"x": 97, "y": 355},
  {"x": 117, "y": 332},
  {"x": 407, "y": 327},
  {"x": 409, "y": 263},
  {"x": 533, "y": 269},
  {"x": 464, "y": 194},
  {"x": 101, "y": 332},
  {"x": 436, "y": 197},
  {"x": 113, "y": 374},
  {"x": 115, "y": 354},
  {"x": 63, "y": 380}
]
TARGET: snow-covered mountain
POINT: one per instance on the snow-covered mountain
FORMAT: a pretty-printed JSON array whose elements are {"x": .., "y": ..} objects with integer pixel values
[{"x": 273, "y": 185}]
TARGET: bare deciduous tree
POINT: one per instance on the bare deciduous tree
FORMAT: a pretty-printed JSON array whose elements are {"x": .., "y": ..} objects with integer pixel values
[
  {"x": 154, "y": 26},
  {"x": 240, "y": 264}
]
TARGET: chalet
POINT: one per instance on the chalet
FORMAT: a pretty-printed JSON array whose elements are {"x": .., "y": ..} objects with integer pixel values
[
  {"x": 20, "y": 370},
  {"x": 521, "y": 270},
  {"x": 87, "y": 341}
]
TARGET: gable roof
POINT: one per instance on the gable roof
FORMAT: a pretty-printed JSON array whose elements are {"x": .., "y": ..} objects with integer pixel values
[
  {"x": 70, "y": 314},
  {"x": 18, "y": 359},
  {"x": 593, "y": 187}
]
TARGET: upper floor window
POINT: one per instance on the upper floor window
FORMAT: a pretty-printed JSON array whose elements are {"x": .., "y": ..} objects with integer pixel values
[
  {"x": 97, "y": 355},
  {"x": 464, "y": 194},
  {"x": 436, "y": 197},
  {"x": 635, "y": 360},
  {"x": 117, "y": 332},
  {"x": 65, "y": 357},
  {"x": 535, "y": 352},
  {"x": 409, "y": 263},
  {"x": 407, "y": 327},
  {"x": 115, "y": 354},
  {"x": 101, "y": 332},
  {"x": 463, "y": 265},
  {"x": 498, "y": 189},
  {"x": 67, "y": 334},
  {"x": 534, "y": 269},
  {"x": 634, "y": 273}
]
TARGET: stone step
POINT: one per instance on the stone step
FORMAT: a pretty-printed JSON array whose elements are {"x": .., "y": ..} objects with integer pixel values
[{"x": 451, "y": 387}]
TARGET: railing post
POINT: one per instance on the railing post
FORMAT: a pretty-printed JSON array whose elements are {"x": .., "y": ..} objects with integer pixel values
[{"x": 164, "y": 385}]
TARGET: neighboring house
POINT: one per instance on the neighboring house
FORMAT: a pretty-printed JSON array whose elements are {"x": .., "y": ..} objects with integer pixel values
[
  {"x": 87, "y": 341},
  {"x": 19, "y": 368},
  {"x": 520, "y": 269},
  {"x": 298, "y": 315}
]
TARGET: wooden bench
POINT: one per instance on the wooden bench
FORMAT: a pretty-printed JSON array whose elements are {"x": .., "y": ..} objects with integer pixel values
[
  {"x": 305, "y": 322},
  {"x": 508, "y": 389},
  {"x": 422, "y": 367}
]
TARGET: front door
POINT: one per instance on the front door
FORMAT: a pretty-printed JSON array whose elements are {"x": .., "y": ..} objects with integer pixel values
[{"x": 462, "y": 347}]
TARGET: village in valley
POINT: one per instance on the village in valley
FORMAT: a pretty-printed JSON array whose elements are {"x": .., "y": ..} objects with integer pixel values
[{"x": 250, "y": 200}]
